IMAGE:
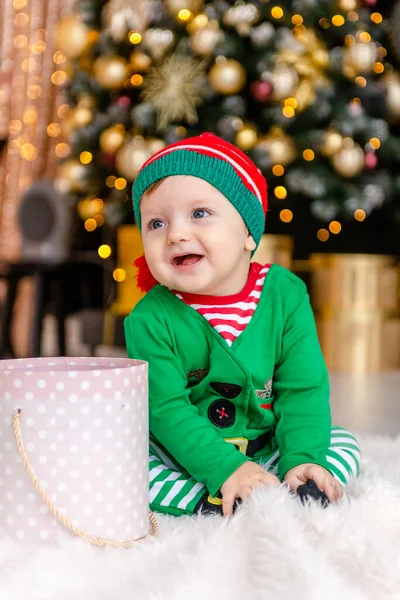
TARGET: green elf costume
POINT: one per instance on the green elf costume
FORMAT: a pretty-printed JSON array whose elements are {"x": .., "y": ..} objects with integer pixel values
[{"x": 216, "y": 403}]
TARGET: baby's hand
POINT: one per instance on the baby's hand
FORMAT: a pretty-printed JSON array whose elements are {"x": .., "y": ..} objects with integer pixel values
[
  {"x": 241, "y": 483},
  {"x": 324, "y": 480}
]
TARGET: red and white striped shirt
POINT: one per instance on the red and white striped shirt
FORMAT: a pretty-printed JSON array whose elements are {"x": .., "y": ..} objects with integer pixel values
[{"x": 229, "y": 315}]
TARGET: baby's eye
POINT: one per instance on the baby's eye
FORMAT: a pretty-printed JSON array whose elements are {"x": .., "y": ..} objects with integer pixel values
[
  {"x": 156, "y": 224},
  {"x": 200, "y": 213}
]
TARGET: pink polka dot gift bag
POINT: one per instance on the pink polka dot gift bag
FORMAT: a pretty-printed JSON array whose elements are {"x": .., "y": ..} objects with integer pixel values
[{"x": 74, "y": 450}]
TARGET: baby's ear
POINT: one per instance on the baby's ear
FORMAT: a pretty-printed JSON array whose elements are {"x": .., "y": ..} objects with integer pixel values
[{"x": 250, "y": 243}]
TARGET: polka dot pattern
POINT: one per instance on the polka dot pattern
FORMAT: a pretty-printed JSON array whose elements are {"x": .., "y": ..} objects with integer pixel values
[{"x": 84, "y": 425}]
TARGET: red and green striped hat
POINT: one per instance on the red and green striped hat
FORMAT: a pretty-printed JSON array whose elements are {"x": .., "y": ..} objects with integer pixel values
[{"x": 221, "y": 164}]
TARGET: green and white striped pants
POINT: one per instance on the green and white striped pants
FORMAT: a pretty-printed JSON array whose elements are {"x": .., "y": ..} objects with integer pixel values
[{"x": 177, "y": 493}]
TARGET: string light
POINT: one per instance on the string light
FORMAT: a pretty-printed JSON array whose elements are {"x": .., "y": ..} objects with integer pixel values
[
  {"x": 110, "y": 181},
  {"x": 376, "y": 18},
  {"x": 360, "y": 81},
  {"x": 86, "y": 157},
  {"x": 185, "y": 14},
  {"x": 104, "y": 250},
  {"x": 38, "y": 47},
  {"x": 90, "y": 224},
  {"x": 18, "y": 4},
  {"x": 136, "y": 79},
  {"x": 119, "y": 275},
  {"x": 99, "y": 220},
  {"x": 286, "y": 215},
  {"x": 375, "y": 143},
  {"x": 288, "y": 112},
  {"x": 62, "y": 150},
  {"x": 277, "y": 12},
  {"x": 291, "y": 102},
  {"x": 349, "y": 39},
  {"x": 353, "y": 16},
  {"x": 278, "y": 170},
  {"x": 20, "y": 41},
  {"x": 53, "y": 130},
  {"x": 28, "y": 152},
  {"x": 59, "y": 57},
  {"x": 360, "y": 214},
  {"x": 33, "y": 92},
  {"x": 59, "y": 77},
  {"x": 297, "y": 19},
  {"x": 364, "y": 37},
  {"x": 324, "y": 23},
  {"x": 338, "y": 20},
  {"x": 97, "y": 205},
  {"x": 308, "y": 154},
  {"x": 120, "y": 183},
  {"x": 378, "y": 68},
  {"x": 21, "y": 20},
  {"x": 135, "y": 37},
  {"x": 335, "y": 227},
  {"x": 323, "y": 235},
  {"x": 14, "y": 126},
  {"x": 30, "y": 116},
  {"x": 63, "y": 111},
  {"x": 382, "y": 52},
  {"x": 280, "y": 192}
]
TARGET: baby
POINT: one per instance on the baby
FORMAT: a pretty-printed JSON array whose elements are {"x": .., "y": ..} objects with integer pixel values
[{"x": 238, "y": 387}]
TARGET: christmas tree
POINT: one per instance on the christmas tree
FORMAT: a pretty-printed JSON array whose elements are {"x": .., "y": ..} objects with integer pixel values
[{"x": 306, "y": 87}]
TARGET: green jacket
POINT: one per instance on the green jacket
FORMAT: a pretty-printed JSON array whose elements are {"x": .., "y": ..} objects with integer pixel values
[{"x": 272, "y": 382}]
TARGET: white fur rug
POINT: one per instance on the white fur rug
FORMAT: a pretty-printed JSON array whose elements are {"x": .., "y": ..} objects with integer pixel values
[{"x": 273, "y": 548}]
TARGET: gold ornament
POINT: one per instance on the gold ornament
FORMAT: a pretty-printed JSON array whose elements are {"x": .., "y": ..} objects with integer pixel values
[
  {"x": 71, "y": 176},
  {"x": 89, "y": 207},
  {"x": 348, "y": 5},
  {"x": 204, "y": 39},
  {"x": 73, "y": 36},
  {"x": 111, "y": 71},
  {"x": 247, "y": 137},
  {"x": 81, "y": 116},
  {"x": 158, "y": 41},
  {"x": 349, "y": 161},
  {"x": 361, "y": 57},
  {"x": 242, "y": 17},
  {"x": 392, "y": 82},
  {"x": 174, "y": 6},
  {"x": 173, "y": 88},
  {"x": 284, "y": 81},
  {"x": 332, "y": 143},
  {"x": 133, "y": 154},
  {"x": 227, "y": 76},
  {"x": 112, "y": 138},
  {"x": 279, "y": 146},
  {"x": 140, "y": 61},
  {"x": 87, "y": 101},
  {"x": 304, "y": 95},
  {"x": 122, "y": 16}
]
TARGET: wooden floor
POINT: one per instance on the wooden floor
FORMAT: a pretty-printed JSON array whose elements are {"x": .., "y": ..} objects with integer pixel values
[{"x": 361, "y": 403}]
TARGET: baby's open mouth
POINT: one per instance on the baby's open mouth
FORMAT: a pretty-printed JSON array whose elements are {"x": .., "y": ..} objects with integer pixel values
[{"x": 187, "y": 259}]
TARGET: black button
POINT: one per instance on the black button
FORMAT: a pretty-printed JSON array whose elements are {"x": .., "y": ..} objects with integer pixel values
[
  {"x": 227, "y": 390},
  {"x": 222, "y": 413}
]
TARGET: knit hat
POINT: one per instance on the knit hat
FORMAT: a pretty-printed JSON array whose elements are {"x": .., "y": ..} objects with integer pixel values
[{"x": 221, "y": 164}]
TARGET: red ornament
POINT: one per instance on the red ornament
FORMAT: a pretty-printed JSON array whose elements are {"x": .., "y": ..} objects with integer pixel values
[
  {"x": 261, "y": 90},
  {"x": 370, "y": 161},
  {"x": 108, "y": 159},
  {"x": 145, "y": 279},
  {"x": 124, "y": 101}
]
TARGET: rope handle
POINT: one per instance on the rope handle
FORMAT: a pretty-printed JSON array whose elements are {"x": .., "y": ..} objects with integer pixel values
[{"x": 96, "y": 541}]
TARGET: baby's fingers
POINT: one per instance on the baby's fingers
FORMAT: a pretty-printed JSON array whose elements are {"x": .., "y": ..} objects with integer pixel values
[{"x": 227, "y": 503}]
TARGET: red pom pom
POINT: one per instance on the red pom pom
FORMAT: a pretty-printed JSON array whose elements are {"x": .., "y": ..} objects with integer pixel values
[{"x": 145, "y": 280}]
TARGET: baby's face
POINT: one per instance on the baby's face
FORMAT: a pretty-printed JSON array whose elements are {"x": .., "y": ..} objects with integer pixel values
[{"x": 194, "y": 240}]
